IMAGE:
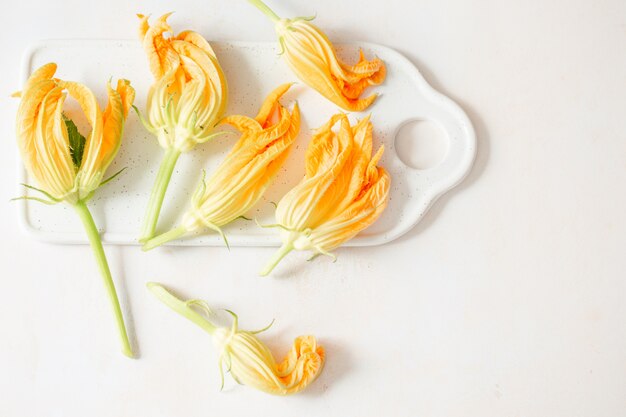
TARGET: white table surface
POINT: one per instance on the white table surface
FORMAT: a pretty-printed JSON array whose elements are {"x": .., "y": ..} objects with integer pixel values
[{"x": 506, "y": 300}]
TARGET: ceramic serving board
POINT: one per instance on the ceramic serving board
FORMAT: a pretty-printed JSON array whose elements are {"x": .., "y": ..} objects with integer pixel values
[{"x": 252, "y": 69}]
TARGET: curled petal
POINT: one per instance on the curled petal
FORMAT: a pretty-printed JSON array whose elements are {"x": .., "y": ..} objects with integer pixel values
[
  {"x": 114, "y": 117},
  {"x": 101, "y": 149},
  {"x": 302, "y": 365},
  {"x": 196, "y": 39},
  {"x": 161, "y": 55},
  {"x": 252, "y": 364},
  {"x": 42, "y": 136},
  {"x": 269, "y": 104},
  {"x": 249, "y": 360},
  {"x": 311, "y": 55}
]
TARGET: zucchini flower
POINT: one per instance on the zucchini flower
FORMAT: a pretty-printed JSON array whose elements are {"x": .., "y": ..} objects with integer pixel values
[
  {"x": 343, "y": 191},
  {"x": 67, "y": 166},
  {"x": 246, "y": 172},
  {"x": 249, "y": 361},
  {"x": 184, "y": 104},
  {"x": 312, "y": 57}
]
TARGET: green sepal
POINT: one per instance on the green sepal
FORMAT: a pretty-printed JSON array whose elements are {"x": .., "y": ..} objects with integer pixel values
[
  {"x": 143, "y": 121},
  {"x": 270, "y": 226},
  {"x": 263, "y": 329},
  {"x": 112, "y": 177},
  {"x": 47, "y": 194},
  {"x": 213, "y": 136},
  {"x": 40, "y": 200}
]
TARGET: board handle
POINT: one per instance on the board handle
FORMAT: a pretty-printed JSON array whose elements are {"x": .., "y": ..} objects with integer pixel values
[{"x": 461, "y": 144}]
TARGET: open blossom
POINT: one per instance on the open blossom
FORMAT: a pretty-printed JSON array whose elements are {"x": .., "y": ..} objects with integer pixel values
[
  {"x": 246, "y": 172},
  {"x": 64, "y": 164},
  {"x": 247, "y": 358},
  {"x": 184, "y": 104},
  {"x": 190, "y": 92},
  {"x": 343, "y": 191},
  {"x": 312, "y": 57}
]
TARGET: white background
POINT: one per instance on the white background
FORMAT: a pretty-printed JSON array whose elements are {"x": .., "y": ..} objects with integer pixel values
[{"x": 506, "y": 300}]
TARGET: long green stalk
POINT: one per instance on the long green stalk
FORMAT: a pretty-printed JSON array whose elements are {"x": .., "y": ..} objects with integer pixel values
[
  {"x": 98, "y": 251},
  {"x": 158, "y": 194},
  {"x": 181, "y": 307},
  {"x": 265, "y": 9},
  {"x": 168, "y": 236},
  {"x": 276, "y": 258}
]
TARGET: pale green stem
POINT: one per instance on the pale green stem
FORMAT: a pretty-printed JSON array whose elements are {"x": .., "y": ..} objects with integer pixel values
[
  {"x": 98, "y": 251},
  {"x": 276, "y": 258},
  {"x": 181, "y": 307},
  {"x": 173, "y": 234},
  {"x": 266, "y": 10},
  {"x": 158, "y": 194}
]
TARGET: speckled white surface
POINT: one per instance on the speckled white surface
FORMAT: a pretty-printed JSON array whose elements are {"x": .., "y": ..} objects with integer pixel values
[
  {"x": 506, "y": 300},
  {"x": 252, "y": 71}
]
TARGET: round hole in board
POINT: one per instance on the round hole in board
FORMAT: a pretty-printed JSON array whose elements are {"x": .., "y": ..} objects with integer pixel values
[{"x": 421, "y": 144}]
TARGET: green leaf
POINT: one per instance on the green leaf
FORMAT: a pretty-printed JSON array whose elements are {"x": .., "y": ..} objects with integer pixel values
[{"x": 77, "y": 141}]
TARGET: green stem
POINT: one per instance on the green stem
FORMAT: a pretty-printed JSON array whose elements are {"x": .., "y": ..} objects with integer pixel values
[
  {"x": 173, "y": 234},
  {"x": 98, "y": 251},
  {"x": 276, "y": 258},
  {"x": 158, "y": 194},
  {"x": 181, "y": 307},
  {"x": 266, "y": 10}
]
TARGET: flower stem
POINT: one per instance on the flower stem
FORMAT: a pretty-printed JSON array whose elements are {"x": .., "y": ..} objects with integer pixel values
[
  {"x": 164, "y": 238},
  {"x": 158, "y": 194},
  {"x": 276, "y": 258},
  {"x": 98, "y": 251},
  {"x": 266, "y": 10},
  {"x": 181, "y": 307}
]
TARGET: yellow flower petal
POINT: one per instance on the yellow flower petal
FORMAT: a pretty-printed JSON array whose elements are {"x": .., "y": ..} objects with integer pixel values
[
  {"x": 307, "y": 203},
  {"x": 248, "y": 360},
  {"x": 342, "y": 192},
  {"x": 312, "y": 57},
  {"x": 303, "y": 364},
  {"x": 161, "y": 55},
  {"x": 114, "y": 117},
  {"x": 251, "y": 363},
  {"x": 190, "y": 92},
  {"x": 361, "y": 213},
  {"x": 43, "y": 136},
  {"x": 248, "y": 169}
]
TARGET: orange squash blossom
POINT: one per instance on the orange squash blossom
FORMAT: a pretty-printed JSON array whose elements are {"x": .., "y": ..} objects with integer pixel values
[
  {"x": 246, "y": 172},
  {"x": 248, "y": 359},
  {"x": 184, "y": 104},
  {"x": 312, "y": 57},
  {"x": 67, "y": 166},
  {"x": 343, "y": 191}
]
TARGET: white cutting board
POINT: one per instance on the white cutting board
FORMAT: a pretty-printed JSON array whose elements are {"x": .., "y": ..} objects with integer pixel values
[{"x": 252, "y": 70}]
